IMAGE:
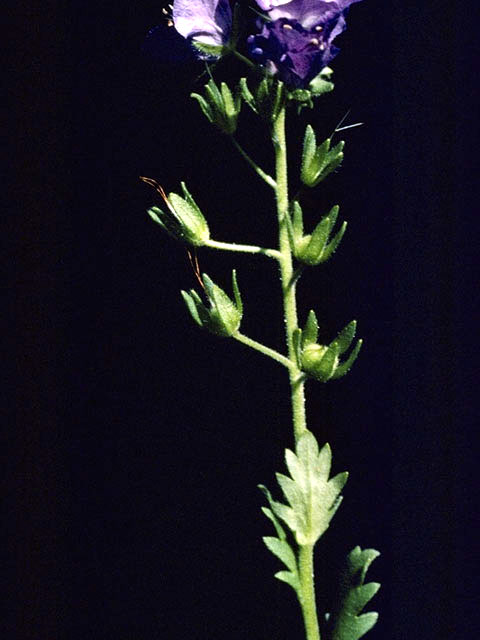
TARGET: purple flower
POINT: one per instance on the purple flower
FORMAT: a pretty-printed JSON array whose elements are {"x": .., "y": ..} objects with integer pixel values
[
  {"x": 296, "y": 43},
  {"x": 207, "y": 22}
]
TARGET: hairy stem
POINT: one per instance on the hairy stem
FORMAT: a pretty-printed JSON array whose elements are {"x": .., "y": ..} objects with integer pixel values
[
  {"x": 309, "y": 608},
  {"x": 297, "y": 380},
  {"x": 288, "y": 280},
  {"x": 271, "y": 353},
  {"x": 268, "y": 179},
  {"x": 242, "y": 248}
]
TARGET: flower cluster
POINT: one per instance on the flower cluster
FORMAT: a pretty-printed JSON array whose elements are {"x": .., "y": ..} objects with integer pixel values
[{"x": 293, "y": 40}]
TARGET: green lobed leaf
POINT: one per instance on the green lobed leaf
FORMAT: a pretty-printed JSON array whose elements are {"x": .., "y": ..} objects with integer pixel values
[
  {"x": 346, "y": 621},
  {"x": 312, "y": 497},
  {"x": 290, "y": 578},
  {"x": 280, "y": 547},
  {"x": 282, "y": 550}
]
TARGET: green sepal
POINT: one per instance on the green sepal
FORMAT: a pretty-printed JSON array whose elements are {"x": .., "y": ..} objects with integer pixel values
[
  {"x": 310, "y": 332},
  {"x": 267, "y": 99},
  {"x": 345, "y": 337},
  {"x": 322, "y": 362},
  {"x": 247, "y": 95},
  {"x": 312, "y": 497},
  {"x": 210, "y": 50},
  {"x": 334, "y": 242},
  {"x": 318, "y": 162},
  {"x": 183, "y": 219},
  {"x": 346, "y": 621},
  {"x": 220, "y": 106},
  {"x": 223, "y": 316},
  {"x": 345, "y": 367},
  {"x": 315, "y": 248}
]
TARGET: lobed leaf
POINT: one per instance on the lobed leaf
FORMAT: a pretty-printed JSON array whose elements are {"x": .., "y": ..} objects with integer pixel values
[{"x": 346, "y": 621}]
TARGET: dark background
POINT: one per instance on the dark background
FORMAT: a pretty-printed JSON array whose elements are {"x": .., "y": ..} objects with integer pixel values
[{"x": 138, "y": 440}]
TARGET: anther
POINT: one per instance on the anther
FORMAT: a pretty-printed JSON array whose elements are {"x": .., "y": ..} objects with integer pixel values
[
  {"x": 315, "y": 41},
  {"x": 288, "y": 27},
  {"x": 318, "y": 28}
]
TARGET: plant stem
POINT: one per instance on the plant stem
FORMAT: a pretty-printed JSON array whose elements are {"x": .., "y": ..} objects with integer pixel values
[
  {"x": 271, "y": 353},
  {"x": 287, "y": 273},
  {"x": 297, "y": 379},
  {"x": 309, "y": 608},
  {"x": 268, "y": 179},
  {"x": 242, "y": 248}
]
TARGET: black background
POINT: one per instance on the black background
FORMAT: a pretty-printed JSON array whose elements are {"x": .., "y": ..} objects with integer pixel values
[{"x": 138, "y": 442}]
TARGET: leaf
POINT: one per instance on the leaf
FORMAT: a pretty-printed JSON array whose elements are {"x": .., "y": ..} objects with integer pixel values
[
  {"x": 346, "y": 621},
  {"x": 281, "y": 548},
  {"x": 312, "y": 498},
  {"x": 290, "y": 578}
]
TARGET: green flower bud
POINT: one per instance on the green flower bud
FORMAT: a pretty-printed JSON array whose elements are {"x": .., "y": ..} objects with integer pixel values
[
  {"x": 318, "y": 161},
  {"x": 183, "y": 220},
  {"x": 267, "y": 99},
  {"x": 223, "y": 316},
  {"x": 322, "y": 362},
  {"x": 317, "y": 247},
  {"x": 220, "y": 106}
]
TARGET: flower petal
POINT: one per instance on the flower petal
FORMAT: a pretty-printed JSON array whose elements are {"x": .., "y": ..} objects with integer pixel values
[{"x": 208, "y": 21}]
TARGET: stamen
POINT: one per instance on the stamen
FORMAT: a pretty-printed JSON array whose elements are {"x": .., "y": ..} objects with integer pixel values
[
  {"x": 322, "y": 47},
  {"x": 318, "y": 28},
  {"x": 315, "y": 41},
  {"x": 288, "y": 27}
]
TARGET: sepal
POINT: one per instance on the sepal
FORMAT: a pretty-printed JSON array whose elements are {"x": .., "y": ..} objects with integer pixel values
[
  {"x": 319, "y": 161},
  {"x": 322, "y": 362},
  {"x": 223, "y": 316},
  {"x": 183, "y": 219},
  {"x": 317, "y": 247},
  {"x": 267, "y": 99},
  {"x": 345, "y": 622},
  {"x": 220, "y": 106}
]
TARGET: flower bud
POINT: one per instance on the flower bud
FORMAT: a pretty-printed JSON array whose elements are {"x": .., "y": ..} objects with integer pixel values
[
  {"x": 317, "y": 247},
  {"x": 318, "y": 161},
  {"x": 223, "y": 316},
  {"x": 183, "y": 220},
  {"x": 267, "y": 99},
  {"x": 220, "y": 106},
  {"x": 322, "y": 362}
]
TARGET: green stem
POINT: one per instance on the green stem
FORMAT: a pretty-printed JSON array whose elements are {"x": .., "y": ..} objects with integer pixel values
[
  {"x": 242, "y": 248},
  {"x": 268, "y": 179},
  {"x": 309, "y": 608},
  {"x": 289, "y": 279},
  {"x": 271, "y": 353},
  {"x": 241, "y": 57}
]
